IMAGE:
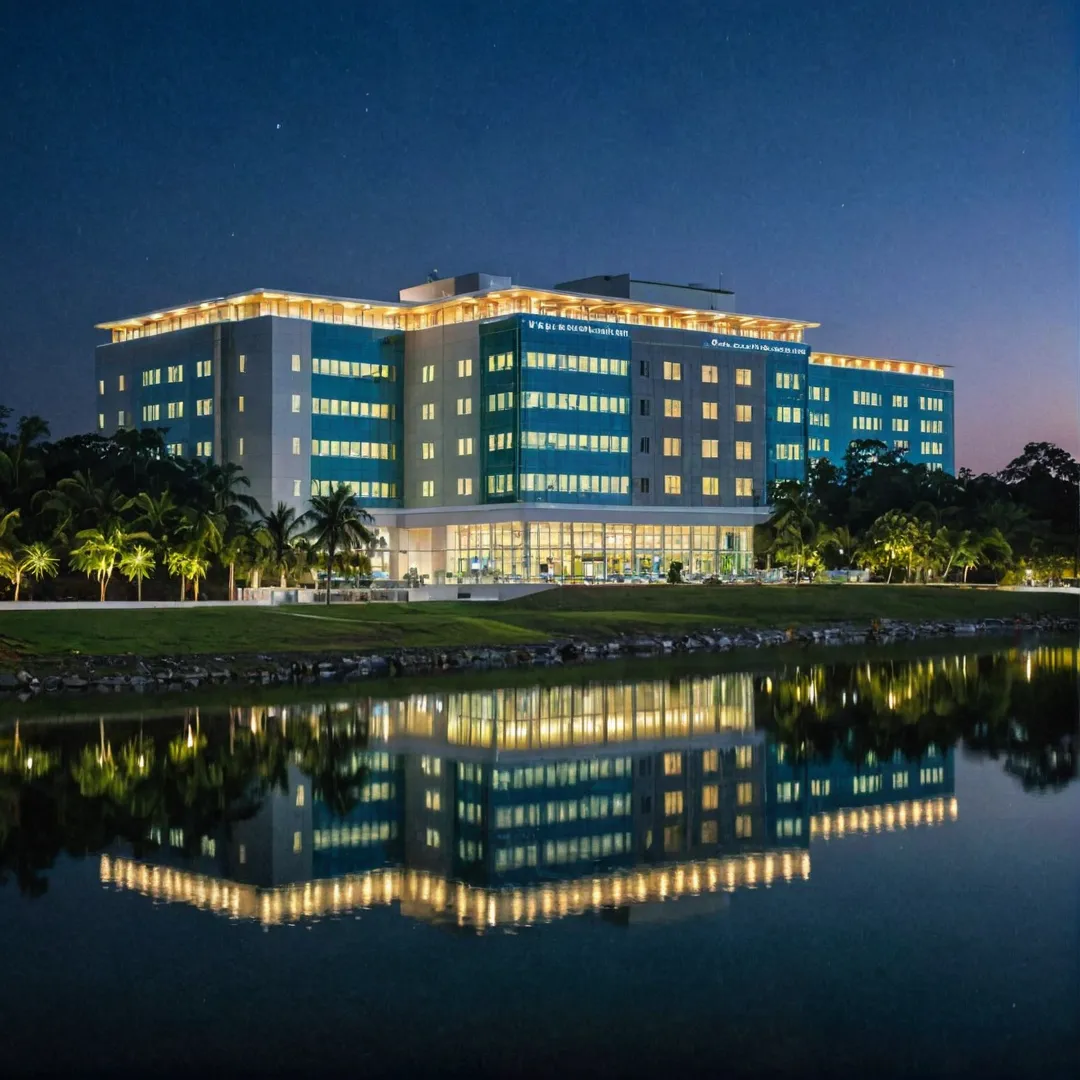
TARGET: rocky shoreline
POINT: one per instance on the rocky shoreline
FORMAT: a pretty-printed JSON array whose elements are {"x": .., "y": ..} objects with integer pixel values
[{"x": 133, "y": 674}]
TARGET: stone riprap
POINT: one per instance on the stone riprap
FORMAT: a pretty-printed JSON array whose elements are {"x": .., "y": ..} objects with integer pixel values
[{"x": 127, "y": 674}]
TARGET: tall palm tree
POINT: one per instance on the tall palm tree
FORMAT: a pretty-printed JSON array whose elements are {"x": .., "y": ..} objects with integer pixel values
[
  {"x": 335, "y": 522},
  {"x": 793, "y": 521},
  {"x": 35, "y": 561},
  {"x": 279, "y": 531},
  {"x": 137, "y": 564}
]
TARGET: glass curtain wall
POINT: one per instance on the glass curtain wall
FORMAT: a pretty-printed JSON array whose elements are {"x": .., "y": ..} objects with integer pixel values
[{"x": 592, "y": 551}]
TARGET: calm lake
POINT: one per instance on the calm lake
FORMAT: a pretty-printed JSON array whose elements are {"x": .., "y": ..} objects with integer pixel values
[{"x": 864, "y": 868}]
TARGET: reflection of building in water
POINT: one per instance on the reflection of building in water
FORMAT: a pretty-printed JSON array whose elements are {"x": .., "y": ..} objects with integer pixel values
[
  {"x": 831, "y": 796},
  {"x": 506, "y": 807}
]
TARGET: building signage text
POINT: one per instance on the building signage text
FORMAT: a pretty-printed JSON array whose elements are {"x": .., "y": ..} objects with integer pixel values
[{"x": 576, "y": 328}]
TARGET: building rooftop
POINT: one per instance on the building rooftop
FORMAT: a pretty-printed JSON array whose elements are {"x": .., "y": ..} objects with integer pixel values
[
  {"x": 458, "y": 308},
  {"x": 877, "y": 363}
]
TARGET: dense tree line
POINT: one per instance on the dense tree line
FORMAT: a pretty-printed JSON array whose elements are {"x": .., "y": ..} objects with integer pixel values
[
  {"x": 121, "y": 507},
  {"x": 905, "y": 522}
]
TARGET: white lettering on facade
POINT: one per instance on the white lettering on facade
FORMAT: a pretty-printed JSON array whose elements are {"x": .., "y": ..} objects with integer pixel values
[
  {"x": 756, "y": 346},
  {"x": 576, "y": 328}
]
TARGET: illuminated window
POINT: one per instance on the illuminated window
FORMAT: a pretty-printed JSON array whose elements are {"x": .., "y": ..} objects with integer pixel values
[
  {"x": 865, "y": 785},
  {"x": 296, "y": 445},
  {"x": 710, "y": 410},
  {"x": 744, "y": 757},
  {"x": 787, "y": 380},
  {"x": 744, "y": 794},
  {"x": 672, "y": 447},
  {"x": 203, "y": 449},
  {"x": 464, "y": 368},
  {"x": 672, "y": 485},
  {"x": 744, "y": 827},
  {"x": 153, "y": 412},
  {"x": 121, "y": 383},
  {"x": 710, "y": 448},
  {"x": 899, "y": 401},
  {"x": 427, "y": 451},
  {"x": 672, "y": 371},
  {"x": 101, "y": 420},
  {"x": 296, "y": 403},
  {"x": 432, "y": 838},
  {"x": 673, "y": 764},
  {"x": 787, "y": 792},
  {"x": 672, "y": 406},
  {"x": 710, "y": 485},
  {"x": 240, "y": 403},
  {"x": 744, "y": 487},
  {"x": 427, "y": 373},
  {"x": 742, "y": 376},
  {"x": 175, "y": 410},
  {"x": 427, "y": 411},
  {"x": 710, "y": 797},
  {"x": 240, "y": 446},
  {"x": 297, "y": 843},
  {"x": 899, "y": 780},
  {"x": 299, "y": 795},
  {"x": 710, "y": 373},
  {"x": 744, "y": 414},
  {"x": 710, "y": 761},
  {"x": 204, "y": 407},
  {"x": 464, "y": 406},
  {"x": 242, "y": 363},
  {"x": 427, "y": 489},
  {"x": 296, "y": 488},
  {"x": 101, "y": 386},
  {"x": 673, "y": 803},
  {"x": 204, "y": 369},
  {"x": 464, "y": 447},
  {"x": 464, "y": 485},
  {"x": 432, "y": 800}
]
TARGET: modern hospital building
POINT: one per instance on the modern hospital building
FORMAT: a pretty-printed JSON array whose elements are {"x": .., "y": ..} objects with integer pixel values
[{"x": 600, "y": 428}]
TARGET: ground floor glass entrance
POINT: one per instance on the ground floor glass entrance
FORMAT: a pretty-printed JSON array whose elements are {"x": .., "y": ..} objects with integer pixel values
[{"x": 571, "y": 551}]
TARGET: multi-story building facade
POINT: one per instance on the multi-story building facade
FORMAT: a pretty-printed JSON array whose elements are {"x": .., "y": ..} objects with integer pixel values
[{"x": 603, "y": 428}]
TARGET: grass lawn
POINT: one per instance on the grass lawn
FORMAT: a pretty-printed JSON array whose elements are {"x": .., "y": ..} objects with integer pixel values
[{"x": 595, "y": 612}]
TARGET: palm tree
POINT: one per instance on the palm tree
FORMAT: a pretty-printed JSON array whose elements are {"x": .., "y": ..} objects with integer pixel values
[
  {"x": 8, "y": 522},
  {"x": 793, "y": 521},
  {"x": 100, "y": 551},
  {"x": 336, "y": 522},
  {"x": 160, "y": 517},
  {"x": 137, "y": 564},
  {"x": 279, "y": 532},
  {"x": 37, "y": 560}
]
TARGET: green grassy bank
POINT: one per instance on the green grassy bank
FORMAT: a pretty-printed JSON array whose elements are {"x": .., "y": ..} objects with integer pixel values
[{"x": 580, "y": 612}]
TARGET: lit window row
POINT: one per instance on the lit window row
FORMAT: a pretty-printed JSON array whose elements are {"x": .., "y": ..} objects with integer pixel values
[
  {"x": 336, "y": 407},
  {"x": 562, "y": 440},
  {"x": 819, "y": 788},
  {"x": 865, "y": 397},
  {"x": 204, "y": 407},
  {"x": 204, "y": 369},
  {"x": 464, "y": 368},
  {"x": 500, "y": 483},
  {"x": 504, "y": 440},
  {"x": 175, "y": 449},
  {"x": 560, "y": 775},
  {"x": 672, "y": 371},
  {"x": 865, "y": 785},
  {"x": 672, "y": 407},
  {"x": 788, "y": 380},
  {"x": 710, "y": 373},
  {"x": 901, "y": 444},
  {"x": 151, "y": 377},
  {"x": 931, "y": 448},
  {"x": 785, "y": 414},
  {"x": 151, "y": 413},
  {"x": 175, "y": 373},
  {"x": 366, "y": 489},
  {"x": 817, "y": 444},
  {"x": 818, "y": 419},
  {"x": 866, "y": 423},
  {"x": 789, "y": 452},
  {"x": 204, "y": 449},
  {"x": 818, "y": 393},
  {"x": 503, "y": 361},
  {"x": 352, "y": 368},
  {"x": 336, "y": 448},
  {"x": 371, "y": 832},
  {"x": 931, "y": 427},
  {"x": 175, "y": 410},
  {"x": 535, "y": 399},
  {"x": 788, "y": 827},
  {"x": 563, "y": 482},
  {"x": 577, "y": 849},
  {"x": 464, "y": 485},
  {"x": 743, "y": 376},
  {"x": 464, "y": 406},
  {"x": 427, "y": 373},
  {"x": 899, "y": 401},
  {"x": 932, "y": 404},
  {"x": 591, "y": 365},
  {"x": 900, "y": 423},
  {"x": 788, "y": 792}
]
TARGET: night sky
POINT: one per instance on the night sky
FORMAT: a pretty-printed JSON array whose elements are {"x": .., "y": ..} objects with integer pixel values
[{"x": 903, "y": 172}]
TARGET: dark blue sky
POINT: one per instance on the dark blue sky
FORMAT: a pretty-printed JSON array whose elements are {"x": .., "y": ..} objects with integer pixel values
[{"x": 905, "y": 173}]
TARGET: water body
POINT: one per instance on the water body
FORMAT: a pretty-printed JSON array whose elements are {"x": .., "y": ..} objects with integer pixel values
[{"x": 866, "y": 868}]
